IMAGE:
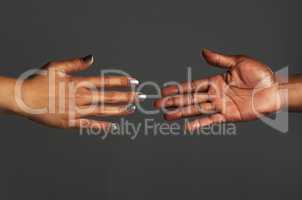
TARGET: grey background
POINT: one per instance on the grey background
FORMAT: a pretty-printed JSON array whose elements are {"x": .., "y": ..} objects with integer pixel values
[{"x": 152, "y": 40}]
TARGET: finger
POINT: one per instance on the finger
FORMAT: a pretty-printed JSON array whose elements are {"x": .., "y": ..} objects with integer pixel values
[
  {"x": 219, "y": 60},
  {"x": 205, "y": 121},
  {"x": 182, "y": 100},
  {"x": 94, "y": 124},
  {"x": 72, "y": 65},
  {"x": 189, "y": 111},
  {"x": 111, "y": 97},
  {"x": 186, "y": 87},
  {"x": 106, "y": 110},
  {"x": 108, "y": 81}
]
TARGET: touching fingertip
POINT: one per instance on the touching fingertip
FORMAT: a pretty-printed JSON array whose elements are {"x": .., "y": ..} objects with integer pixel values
[
  {"x": 133, "y": 81},
  {"x": 142, "y": 96},
  {"x": 156, "y": 104}
]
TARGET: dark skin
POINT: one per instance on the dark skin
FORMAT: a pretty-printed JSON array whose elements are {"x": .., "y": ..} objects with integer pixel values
[{"x": 245, "y": 92}]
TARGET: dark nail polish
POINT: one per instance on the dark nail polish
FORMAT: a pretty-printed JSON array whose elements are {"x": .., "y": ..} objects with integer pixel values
[
  {"x": 88, "y": 59},
  {"x": 131, "y": 108}
]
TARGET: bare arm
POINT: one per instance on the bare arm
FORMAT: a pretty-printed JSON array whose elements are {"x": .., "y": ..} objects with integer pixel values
[
  {"x": 246, "y": 91},
  {"x": 292, "y": 93},
  {"x": 54, "y": 97},
  {"x": 7, "y": 103}
]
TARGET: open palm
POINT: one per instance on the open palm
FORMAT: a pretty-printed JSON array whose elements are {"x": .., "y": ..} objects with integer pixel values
[{"x": 246, "y": 91}]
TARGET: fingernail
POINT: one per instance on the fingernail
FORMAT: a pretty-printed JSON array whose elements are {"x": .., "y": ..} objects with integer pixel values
[
  {"x": 114, "y": 126},
  {"x": 142, "y": 96},
  {"x": 131, "y": 108},
  {"x": 205, "y": 50},
  {"x": 133, "y": 81},
  {"x": 88, "y": 59}
]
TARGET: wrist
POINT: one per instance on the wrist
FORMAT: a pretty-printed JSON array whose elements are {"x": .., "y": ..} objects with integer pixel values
[
  {"x": 283, "y": 95},
  {"x": 291, "y": 93},
  {"x": 282, "y": 91},
  {"x": 7, "y": 94}
]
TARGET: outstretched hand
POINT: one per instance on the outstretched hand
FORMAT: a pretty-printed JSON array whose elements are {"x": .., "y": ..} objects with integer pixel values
[
  {"x": 246, "y": 90},
  {"x": 56, "y": 98}
]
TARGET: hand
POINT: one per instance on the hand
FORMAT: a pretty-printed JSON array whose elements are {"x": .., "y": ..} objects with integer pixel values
[
  {"x": 55, "y": 98},
  {"x": 246, "y": 91}
]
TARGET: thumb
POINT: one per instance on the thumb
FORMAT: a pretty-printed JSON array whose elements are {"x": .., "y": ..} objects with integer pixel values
[
  {"x": 73, "y": 64},
  {"x": 218, "y": 60}
]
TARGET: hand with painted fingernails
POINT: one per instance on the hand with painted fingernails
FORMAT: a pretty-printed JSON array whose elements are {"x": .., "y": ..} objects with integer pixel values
[
  {"x": 56, "y": 98},
  {"x": 246, "y": 90}
]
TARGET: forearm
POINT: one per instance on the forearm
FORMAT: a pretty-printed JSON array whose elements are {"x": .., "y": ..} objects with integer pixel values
[
  {"x": 7, "y": 95},
  {"x": 291, "y": 92}
]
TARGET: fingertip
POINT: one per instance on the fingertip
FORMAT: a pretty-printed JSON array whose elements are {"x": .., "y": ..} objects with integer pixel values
[
  {"x": 88, "y": 60},
  {"x": 170, "y": 117},
  {"x": 133, "y": 81},
  {"x": 206, "y": 53},
  {"x": 156, "y": 103},
  {"x": 141, "y": 96}
]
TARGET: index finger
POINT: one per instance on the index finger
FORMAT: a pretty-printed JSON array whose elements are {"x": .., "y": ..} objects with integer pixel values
[{"x": 109, "y": 81}]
